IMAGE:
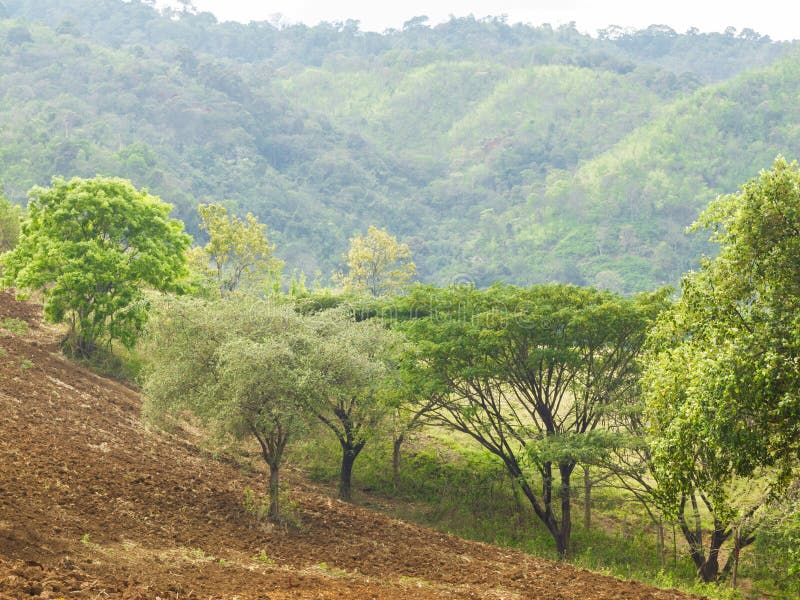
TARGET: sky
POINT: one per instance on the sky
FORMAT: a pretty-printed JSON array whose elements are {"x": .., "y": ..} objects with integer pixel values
[{"x": 768, "y": 17}]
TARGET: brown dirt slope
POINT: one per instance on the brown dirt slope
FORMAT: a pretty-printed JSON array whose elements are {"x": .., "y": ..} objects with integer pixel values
[{"x": 94, "y": 505}]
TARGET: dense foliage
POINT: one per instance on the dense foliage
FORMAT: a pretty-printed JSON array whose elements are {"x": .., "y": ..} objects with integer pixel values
[
  {"x": 92, "y": 247},
  {"x": 722, "y": 379},
  {"x": 9, "y": 224},
  {"x": 495, "y": 151}
]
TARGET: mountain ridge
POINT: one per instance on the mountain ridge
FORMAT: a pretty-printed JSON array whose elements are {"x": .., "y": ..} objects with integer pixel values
[{"x": 471, "y": 141}]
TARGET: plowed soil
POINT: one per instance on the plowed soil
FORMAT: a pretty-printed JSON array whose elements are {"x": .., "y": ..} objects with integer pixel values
[{"x": 93, "y": 504}]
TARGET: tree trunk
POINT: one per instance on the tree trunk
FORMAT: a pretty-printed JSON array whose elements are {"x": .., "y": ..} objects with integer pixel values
[
  {"x": 398, "y": 443},
  {"x": 674, "y": 547},
  {"x": 78, "y": 345},
  {"x": 707, "y": 565},
  {"x": 345, "y": 474},
  {"x": 709, "y": 570},
  {"x": 562, "y": 544},
  {"x": 563, "y": 537},
  {"x": 587, "y": 499},
  {"x": 559, "y": 530},
  {"x": 274, "y": 489},
  {"x": 544, "y": 510},
  {"x": 741, "y": 539},
  {"x": 736, "y": 549}
]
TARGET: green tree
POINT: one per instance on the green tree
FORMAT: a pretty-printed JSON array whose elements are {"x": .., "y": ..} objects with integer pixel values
[
  {"x": 689, "y": 471},
  {"x": 722, "y": 380},
  {"x": 352, "y": 375},
  {"x": 529, "y": 374},
  {"x": 241, "y": 365},
  {"x": 92, "y": 246},
  {"x": 377, "y": 264},
  {"x": 9, "y": 224},
  {"x": 238, "y": 254}
]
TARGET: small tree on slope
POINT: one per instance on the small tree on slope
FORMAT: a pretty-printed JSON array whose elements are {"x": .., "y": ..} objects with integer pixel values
[
  {"x": 91, "y": 246},
  {"x": 240, "y": 365}
]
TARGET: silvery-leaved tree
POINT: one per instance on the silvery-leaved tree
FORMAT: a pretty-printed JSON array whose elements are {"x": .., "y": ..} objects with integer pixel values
[
  {"x": 241, "y": 365},
  {"x": 352, "y": 378}
]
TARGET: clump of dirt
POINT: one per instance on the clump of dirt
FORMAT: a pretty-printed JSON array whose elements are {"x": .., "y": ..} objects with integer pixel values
[
  {"x": 30, "y": 312},
  {"x": 95, "y": 504},
  {"x": 25, "y": 579}
]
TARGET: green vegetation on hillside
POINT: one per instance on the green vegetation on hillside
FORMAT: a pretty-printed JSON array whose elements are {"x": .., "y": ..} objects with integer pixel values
[
  {"x": 686, "y": 409},
  {"x": 495, "y": 151},
  {"x": 551, "y": 172}
]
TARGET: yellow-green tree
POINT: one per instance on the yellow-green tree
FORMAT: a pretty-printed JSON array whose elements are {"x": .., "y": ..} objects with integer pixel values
[
  {"x": 377, "y": 264},
  {"x": 238, "y": 253}
]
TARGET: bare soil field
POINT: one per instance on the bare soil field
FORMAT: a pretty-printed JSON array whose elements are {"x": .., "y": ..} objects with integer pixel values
[{"x": 93, "y": 504}]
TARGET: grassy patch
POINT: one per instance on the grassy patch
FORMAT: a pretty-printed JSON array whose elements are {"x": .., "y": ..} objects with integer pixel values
[
  {"x": 15, "y": 326},
  {"x": 120, "y": 364},
  {"x": 330, "y": 571},
  {"x": 263, "y": 558}
]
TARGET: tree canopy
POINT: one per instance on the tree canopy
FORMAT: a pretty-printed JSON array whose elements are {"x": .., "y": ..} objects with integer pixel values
[
  {"x": 241, "y": 365},
  {"x": 496, "y": 151},
  {"x": 722, "y": 380},
  {"x": 238, "y": 254}
]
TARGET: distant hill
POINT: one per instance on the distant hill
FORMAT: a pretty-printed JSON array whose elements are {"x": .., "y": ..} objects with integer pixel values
[
  {"x": 496, "y": 151},
  {"x": 634, "y": 200}
]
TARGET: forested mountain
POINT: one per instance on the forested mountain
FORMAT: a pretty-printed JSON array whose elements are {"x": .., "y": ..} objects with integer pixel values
[{"x": 496, "y": 151}]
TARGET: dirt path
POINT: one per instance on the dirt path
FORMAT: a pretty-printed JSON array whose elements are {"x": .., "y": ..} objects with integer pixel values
[{"x": 94, "y": 505}]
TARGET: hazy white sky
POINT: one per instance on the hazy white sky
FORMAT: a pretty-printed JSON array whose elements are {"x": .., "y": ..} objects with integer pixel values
[{"x": 771, "y": 17}]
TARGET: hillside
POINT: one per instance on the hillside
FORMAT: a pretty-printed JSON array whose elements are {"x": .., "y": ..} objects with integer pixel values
[
  {"x": 471, "y": 140},
  {"x": 92, "y": 503}
]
